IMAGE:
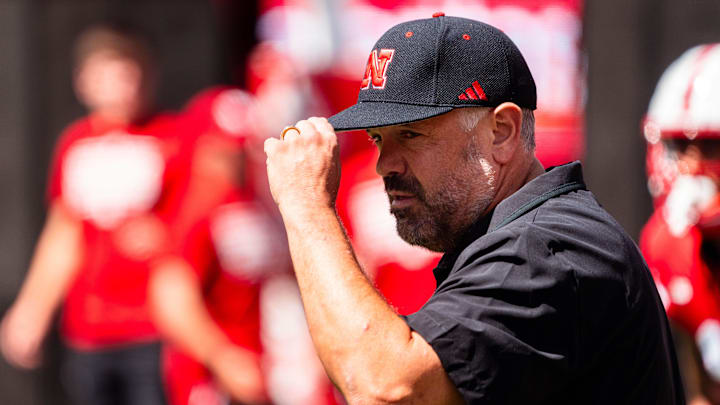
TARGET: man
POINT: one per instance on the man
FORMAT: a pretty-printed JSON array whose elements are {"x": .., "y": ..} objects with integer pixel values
[
  {"x": 541, "y": 297},
  {"x": 681, "y": 241},
  {"x": 110, "y": 184},
  {"x": 205, "y": 294}
]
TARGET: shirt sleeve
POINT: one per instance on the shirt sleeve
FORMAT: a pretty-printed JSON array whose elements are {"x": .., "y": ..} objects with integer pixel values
[
  {"x": 502, "y": 323},
  {"x": 55, "y": 174}
]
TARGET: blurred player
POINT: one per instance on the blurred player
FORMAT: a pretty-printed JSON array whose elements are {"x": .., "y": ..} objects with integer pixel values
[
  {"x": 207, "y": 297},
  {"x": 681, "y": 241},
  {"x": 109, "y": 189}
]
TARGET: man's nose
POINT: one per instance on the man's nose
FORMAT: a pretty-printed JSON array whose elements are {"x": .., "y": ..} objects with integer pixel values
[{"x": 390, "y": 161}]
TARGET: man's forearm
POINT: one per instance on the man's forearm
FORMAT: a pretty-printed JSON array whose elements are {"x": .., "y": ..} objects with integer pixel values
[
  {"x": 179, "y": 310},
  {"x": 180, "y": 313},
  {"x": 53, "y": 266},
  {"x": 357, "y": 334}
]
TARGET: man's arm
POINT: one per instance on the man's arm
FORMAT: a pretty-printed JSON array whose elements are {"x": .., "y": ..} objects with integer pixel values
[
  {"x": 52, "y": 269},
  {"x": 366, "y": 348},
  {"x": 691, "y": 367},
  {"x": 180, "y": 313}
]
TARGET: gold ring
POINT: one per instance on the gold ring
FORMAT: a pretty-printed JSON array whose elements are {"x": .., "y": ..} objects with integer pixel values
[{"x": 288, "y": 128}]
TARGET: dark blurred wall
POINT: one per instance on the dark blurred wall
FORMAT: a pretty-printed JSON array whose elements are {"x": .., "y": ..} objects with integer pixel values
[
  {"x": 629, "y": 44},
  {"x": 198, "y": 44},
  {"x": 17, "y": 227}
]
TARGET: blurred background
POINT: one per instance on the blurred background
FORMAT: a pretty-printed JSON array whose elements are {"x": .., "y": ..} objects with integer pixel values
[{"x": 595, "y": 64}]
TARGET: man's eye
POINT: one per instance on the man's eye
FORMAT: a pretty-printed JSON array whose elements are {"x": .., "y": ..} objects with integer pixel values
[{"x": 376, "y": 139}]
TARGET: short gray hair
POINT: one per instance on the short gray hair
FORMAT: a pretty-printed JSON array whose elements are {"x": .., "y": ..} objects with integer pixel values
[{"x": 470, "y": 116}]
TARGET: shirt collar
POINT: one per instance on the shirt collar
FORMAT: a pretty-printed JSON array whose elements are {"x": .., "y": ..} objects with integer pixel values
[{"x": 555, "y": 181}]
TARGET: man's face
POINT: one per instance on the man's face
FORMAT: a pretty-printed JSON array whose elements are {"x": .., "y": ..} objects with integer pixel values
[
  {"x": 438, "y": 177},
  {"x": 112, "y": 84},
  {"x": 698, "y": 157}
]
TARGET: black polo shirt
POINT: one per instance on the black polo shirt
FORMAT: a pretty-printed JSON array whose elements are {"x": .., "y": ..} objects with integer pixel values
[{"x": 548, "y": 301}]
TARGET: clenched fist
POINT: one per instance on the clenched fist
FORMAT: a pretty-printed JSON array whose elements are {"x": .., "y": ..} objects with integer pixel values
[{"x": 304, "y": 168}]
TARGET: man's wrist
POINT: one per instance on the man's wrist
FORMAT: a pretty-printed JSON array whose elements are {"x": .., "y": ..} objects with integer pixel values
[{"x": 302, "y": 209}]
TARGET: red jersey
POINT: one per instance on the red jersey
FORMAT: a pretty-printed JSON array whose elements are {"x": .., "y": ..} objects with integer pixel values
[
  {"x": 116, "y": 179},
  {"x": 402, "y": 273},
  {"x": 231, "y": 249},
  {"x": 687, "y": 285}
]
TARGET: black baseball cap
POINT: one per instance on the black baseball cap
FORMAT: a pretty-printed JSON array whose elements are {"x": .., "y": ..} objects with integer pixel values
[{"x": 423, "y": 68}]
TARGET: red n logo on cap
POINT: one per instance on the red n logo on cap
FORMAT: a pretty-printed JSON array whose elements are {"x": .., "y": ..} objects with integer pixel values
[{"x": 376, "y": 69}]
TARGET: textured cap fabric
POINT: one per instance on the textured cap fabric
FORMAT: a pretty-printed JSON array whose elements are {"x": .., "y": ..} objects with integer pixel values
[{"x": 423, "y": 68}]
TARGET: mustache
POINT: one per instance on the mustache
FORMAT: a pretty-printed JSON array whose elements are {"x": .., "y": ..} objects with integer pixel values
[{"x": 408, "y": 185}]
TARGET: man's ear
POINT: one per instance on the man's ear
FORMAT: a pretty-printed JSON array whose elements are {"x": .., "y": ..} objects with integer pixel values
[{"x": 506, "y": 131}]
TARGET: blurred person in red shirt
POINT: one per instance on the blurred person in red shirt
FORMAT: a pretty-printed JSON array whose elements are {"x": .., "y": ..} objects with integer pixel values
[
  {"x": 205, "y": 292},
  {"x": 207, "y": 295},
  {"x": 681, "y": 241},
  {"x": 110, "y": 186}
]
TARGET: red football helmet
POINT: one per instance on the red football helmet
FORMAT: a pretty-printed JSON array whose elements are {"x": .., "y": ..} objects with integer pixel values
[
  {"x": 224, "y": 110},
  {"x": 684, "y": 111}
]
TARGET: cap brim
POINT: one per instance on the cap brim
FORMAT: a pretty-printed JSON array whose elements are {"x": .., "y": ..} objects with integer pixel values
[{"x": 373, "y": 114}]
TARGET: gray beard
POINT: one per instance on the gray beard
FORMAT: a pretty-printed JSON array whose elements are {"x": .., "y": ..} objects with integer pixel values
[
  {"x": 439, "y": 221},
  {"x": 440, "y": 224}
]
